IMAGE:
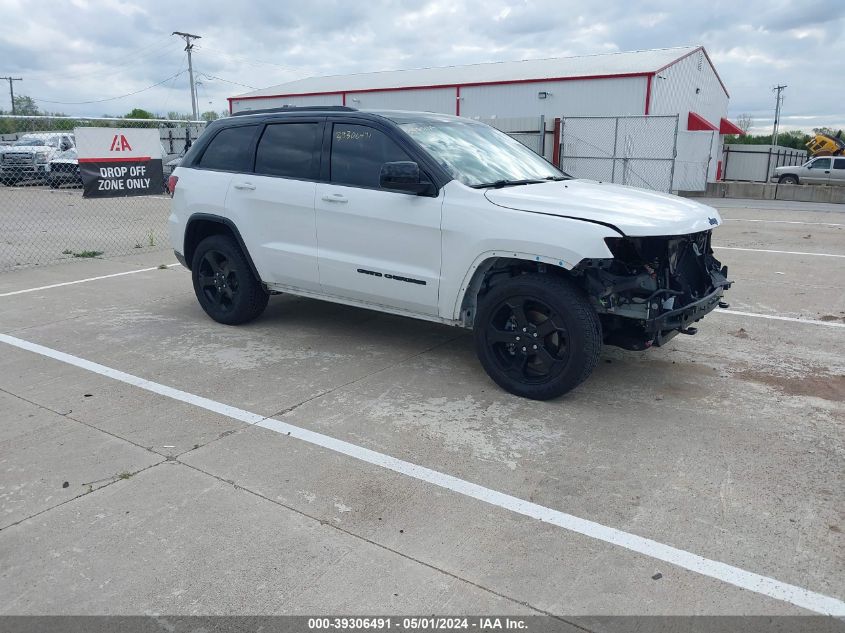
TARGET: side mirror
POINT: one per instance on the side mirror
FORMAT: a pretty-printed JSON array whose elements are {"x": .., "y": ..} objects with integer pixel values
[{"x": 404, "y": 176}]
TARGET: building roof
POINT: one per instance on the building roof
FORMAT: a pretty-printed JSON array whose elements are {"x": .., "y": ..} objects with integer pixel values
[{"x": 630, "y": 63}]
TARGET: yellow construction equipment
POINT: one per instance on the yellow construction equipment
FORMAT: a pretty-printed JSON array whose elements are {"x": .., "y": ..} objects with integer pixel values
[{"x": 826, "y": 145}]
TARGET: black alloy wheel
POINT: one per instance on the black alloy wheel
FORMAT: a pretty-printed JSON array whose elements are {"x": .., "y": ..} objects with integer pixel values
[
  {"x": 537, "y": 336},
  {"x": 224, "y": 283}
]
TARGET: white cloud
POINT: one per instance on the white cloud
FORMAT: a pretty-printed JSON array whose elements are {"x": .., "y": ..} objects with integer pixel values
[{"x": 88, "y": 50}]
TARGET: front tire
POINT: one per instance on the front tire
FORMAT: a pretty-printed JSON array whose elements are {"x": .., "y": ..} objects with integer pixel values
[
  {"x": 788, "y": 180},
  {"x": 224, "y": 283},
  {"x": 537, "y": 336}
]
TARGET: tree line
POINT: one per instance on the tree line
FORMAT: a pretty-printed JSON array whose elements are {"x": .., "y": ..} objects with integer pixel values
[{"x": 26, "y": 106}]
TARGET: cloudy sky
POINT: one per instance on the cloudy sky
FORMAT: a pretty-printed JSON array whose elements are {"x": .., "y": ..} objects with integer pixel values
[{"x": 75, "y": 56}]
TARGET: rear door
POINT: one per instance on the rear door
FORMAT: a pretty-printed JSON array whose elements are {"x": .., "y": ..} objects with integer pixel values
[
  {"x": 837, "y": 174},
  {"x": 374, "y": 245},
  {"x": 273, "y": 207},
  {"x": 818, "y": 172}
]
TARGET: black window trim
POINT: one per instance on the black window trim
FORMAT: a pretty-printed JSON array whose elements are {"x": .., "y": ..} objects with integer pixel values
[
  {"x": 259, "y": 126},
  {"x": 321, "y": 123}
]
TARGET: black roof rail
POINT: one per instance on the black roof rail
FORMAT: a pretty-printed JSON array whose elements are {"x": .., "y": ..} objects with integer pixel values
[{"x": 296, "y": 109}]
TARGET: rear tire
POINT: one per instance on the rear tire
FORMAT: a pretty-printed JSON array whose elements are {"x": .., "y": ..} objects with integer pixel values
[
  {"x": 788, "y": 180},
  {"x": 537, "y": 336},
  {"x": 224, "y": 283}
]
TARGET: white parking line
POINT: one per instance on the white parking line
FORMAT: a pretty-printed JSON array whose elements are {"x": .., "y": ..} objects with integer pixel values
[
  {"x": 765, "y": 250},
  {"x": 82, "y": 281},
  {"x": 773, "y": 317},
  {"x": 782, "y": 222},
  {"x": 735, "y": 576}
]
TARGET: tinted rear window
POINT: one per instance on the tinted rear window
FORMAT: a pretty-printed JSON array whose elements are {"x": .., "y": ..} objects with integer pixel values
[
  {"x": 290, "y": 149},
  {"x": 839, "y": 163},
  {"x": 230, "y": 150}
]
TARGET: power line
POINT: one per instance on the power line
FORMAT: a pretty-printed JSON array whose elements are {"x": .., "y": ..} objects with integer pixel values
[
  {"x": 247, "y": 60},
  {"x": 117, "y": 64},
  {"x": 12, "y": 90},
  {"x": 110, "y": 98},
  {"x": 228, "y": 81},
  {"x": 172, "y": 85}
]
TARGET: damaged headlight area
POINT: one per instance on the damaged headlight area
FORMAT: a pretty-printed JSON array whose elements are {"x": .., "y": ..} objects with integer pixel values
[{"x": 654, "y": 287}]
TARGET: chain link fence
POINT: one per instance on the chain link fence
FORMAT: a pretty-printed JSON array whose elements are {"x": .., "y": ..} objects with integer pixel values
[
  {"x": 43, "y": 213},
  {"x": 530, "y": 131},
  {"x": 632, "y": 150}
]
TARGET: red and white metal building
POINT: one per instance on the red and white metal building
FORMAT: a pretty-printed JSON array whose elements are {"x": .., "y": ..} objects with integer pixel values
[{"x": 671, "y": 81}]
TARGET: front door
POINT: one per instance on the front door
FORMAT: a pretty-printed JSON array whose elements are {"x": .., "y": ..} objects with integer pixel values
[
  {"x": 374, "y": 245},
  {"x": 818, "y": 172}
]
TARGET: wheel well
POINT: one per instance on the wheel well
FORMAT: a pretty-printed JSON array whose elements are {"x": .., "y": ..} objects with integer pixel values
[
  {"x": 201, "y": 226},
  {"x": 199, "y": 229},
  {"x": 782, "y": 176},
  {"x": 496, "y": 269}
]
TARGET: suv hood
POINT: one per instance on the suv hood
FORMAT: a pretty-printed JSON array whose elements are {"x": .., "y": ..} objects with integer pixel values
[
  {"x": 27, "y": 149},
  {"x": 634, "y": 212}
]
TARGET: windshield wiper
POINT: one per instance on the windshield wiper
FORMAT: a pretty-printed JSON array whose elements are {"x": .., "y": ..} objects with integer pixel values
[
  {"x": 558, "y": 178},
  {"x": 498, "y": 184}
]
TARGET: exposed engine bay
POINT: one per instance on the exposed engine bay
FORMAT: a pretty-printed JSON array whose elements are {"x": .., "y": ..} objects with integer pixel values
[{"x": 654, "y": 287}]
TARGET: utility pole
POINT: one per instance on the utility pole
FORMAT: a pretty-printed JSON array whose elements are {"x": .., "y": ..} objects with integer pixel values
[
  {"x": 778, "y": 102},
  {"x": 189, "y": 47},
  {"x": 12, "y": 90}
]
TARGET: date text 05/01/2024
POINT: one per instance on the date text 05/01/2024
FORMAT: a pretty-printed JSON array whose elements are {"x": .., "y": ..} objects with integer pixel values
[{"x": 424, "y": 623}]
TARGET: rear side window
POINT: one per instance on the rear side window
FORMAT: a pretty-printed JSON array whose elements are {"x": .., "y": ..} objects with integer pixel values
[
  {"x": 358, "y": 152},
  {"x": 291, "y": 150},
  {"x": 230, "y": 150},
  {"x": 839, "y": 163}
]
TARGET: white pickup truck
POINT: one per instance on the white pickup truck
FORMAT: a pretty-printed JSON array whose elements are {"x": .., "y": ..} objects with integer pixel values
[
  {"x": 446, "y": 219},
  {"x": 29, "y": 157}
]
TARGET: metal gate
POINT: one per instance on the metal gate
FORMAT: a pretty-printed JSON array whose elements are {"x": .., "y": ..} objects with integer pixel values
[{"x": 638, "y": 151}]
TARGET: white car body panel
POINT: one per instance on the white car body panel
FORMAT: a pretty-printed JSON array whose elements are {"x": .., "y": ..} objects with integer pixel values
[
  {"x": 379, "y": 246},
  {"x": 636, "y": 212},
  {"x": 199, "y": 191},
  {"x": 475, "y": 230},
  {"x": 277, "y": 218}
]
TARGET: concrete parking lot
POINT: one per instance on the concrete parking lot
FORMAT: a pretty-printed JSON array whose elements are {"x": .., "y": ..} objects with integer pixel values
[
  {"x": 326, "y": 459},
  {"x": 43, "y": 225}
]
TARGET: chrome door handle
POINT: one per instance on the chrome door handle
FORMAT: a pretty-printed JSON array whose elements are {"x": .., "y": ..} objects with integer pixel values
[
  {"x": 245, "y": 185},
  {"x": 335, "y": 197}
]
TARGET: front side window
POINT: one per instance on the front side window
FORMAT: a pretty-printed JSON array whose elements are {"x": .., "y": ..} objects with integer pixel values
[
  {"x": 821, "y": 163},
  {"x": 230, "y": 150},
  {"x": 358, "y": 152},
  {"x": 477, "y": 154},
  {"x": 291, "y": 150}
]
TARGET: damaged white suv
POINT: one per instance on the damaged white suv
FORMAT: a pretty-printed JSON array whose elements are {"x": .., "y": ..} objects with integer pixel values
[{"x": 445, "y": 219}]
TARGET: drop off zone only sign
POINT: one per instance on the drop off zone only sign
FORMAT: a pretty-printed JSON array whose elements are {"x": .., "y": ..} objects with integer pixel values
[{"x": 119, "y": 162}]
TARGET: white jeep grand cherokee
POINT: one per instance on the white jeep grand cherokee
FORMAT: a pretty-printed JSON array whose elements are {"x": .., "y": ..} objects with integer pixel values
[{"x": 445, "y": 219}]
